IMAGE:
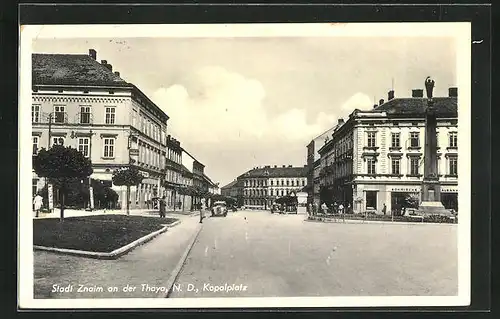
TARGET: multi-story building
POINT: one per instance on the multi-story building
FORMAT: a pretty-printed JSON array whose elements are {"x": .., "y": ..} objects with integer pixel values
[
  {"x": 312, "y": 158},
  {"x": 376, "y": 157},
  {"x": 186, "y": 184},
  {"x": 262, "y": 186},
  {"x": 173, "y": 173},
  {"x": 80, "y": 102},
  {"x": 231, "y": 189}
]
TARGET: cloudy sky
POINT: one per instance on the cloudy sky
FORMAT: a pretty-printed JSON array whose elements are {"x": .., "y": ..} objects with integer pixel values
[{"x": 236, "y": 103}]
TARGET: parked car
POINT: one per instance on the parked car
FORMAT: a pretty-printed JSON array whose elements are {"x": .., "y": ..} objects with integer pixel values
[{"x": 219, "y": 208}]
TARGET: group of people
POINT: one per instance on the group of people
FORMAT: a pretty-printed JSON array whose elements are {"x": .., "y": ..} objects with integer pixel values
[{"x": 333, "y": 208}]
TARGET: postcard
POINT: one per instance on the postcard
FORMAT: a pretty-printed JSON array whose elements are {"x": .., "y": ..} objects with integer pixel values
[{"x": 244, "y": 165}]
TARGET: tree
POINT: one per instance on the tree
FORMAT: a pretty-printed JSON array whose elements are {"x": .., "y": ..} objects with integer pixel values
[
  {"x": 63, "y": 166},
  {"x": 127, "y": 177}
]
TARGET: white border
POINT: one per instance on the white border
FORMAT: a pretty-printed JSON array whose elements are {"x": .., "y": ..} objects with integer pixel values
[{"x": 460, "y": 31}]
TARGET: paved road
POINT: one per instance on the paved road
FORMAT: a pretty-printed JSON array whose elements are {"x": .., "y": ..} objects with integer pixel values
[{"x": 259, "y": 254}]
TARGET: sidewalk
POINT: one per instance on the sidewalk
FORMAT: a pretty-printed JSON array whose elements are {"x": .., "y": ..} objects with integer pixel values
[
  {"x": 150, "y": 264},
  {"x": 135, "y": 212}
]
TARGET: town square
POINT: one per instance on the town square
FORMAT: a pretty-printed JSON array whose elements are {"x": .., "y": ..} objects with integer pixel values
[{"x": 229, "y": 167}]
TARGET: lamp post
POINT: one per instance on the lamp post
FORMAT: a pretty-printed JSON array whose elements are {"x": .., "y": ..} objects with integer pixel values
[{"x": 431, "y": 190}]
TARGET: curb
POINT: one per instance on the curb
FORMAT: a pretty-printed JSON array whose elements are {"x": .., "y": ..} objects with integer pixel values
[
  {"x": 112, "y": 255},
  {"x": 354, "y": 221},
  {"x": 177, "y": 270}
]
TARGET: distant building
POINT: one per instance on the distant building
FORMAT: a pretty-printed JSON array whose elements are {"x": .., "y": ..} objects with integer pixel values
[
  {"x": 262, "y": 186},
  {"x": 312, "y": 157},
  {"x": 79, "y": 102},
  {"x": 232, "y": 189},
  {"x": 376, "y": 156}
]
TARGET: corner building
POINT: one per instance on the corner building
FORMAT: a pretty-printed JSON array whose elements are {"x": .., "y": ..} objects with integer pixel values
[
  {"x": 376, "y": 157},
  {"x": 79, "y": 102}
]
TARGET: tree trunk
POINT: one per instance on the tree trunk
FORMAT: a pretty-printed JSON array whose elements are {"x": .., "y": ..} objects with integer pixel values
[
  {"x": 62, "y": 206},
  {"x": 128, "y": 200}
]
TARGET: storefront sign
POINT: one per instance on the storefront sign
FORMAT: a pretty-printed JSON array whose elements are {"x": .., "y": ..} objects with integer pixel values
[{"x": 50, "y": 194}]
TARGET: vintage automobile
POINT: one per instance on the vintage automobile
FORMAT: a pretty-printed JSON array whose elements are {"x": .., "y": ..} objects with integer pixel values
[{"x": 219, "y": 208}]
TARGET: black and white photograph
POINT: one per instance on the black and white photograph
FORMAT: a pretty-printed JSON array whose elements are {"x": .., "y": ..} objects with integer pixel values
[{"x": 245, "y": 165}]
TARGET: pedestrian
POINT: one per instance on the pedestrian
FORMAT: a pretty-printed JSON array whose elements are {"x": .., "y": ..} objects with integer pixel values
[
  {"x": 341, "y": 209},
  {"x": 38, "y": 203},
  {"x": 315, "y": 209},
  {"x": 162, "y": 205},
  {"x": 349, "y": 208},
  {"x": 324, "y": 208},
  {"x": 202, "y": 208},
  {"x": 384, "y": 209},
  {"x": 335, "y": 207}
]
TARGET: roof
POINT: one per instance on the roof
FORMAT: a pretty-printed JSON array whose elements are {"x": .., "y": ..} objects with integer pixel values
[
  {"x": 276, "y": 172},
  {"x": 232, "y": 184},
  {"x": 185, "y": 170},
  {"x": 72, "y": 69},
  {"x": 417, "y": 106},
  {"x": 209, "y": 180}
]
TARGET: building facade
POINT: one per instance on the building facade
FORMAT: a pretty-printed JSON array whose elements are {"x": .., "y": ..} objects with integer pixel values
[
  {"x": 173, "y": 174},
  {"x": 376, "y": 157},
  {"x": 260, "y": 187},
  {"x": 312, "y": 157},
  {"x": 79, "y": 102}
]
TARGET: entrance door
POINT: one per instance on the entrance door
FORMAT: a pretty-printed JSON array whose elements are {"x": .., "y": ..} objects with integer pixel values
[{"x": 371, "y": 200}]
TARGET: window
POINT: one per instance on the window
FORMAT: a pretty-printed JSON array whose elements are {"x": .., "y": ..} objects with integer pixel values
[
  {"x": 35, "y": 140},
  {"x": 110, "y": 115},
  {"x": 34, "y": 186},
  {"x": 395, "y": 166},
  {"x": 109, "y": 147},
  {"x": 282, "y": 183},
  {"x": 84, "y": 114},
  {"x": 303, "y": 183},
  {"x": 414, "y": 139},
  {"x": 57, "y": 140},
  {"x": 453, "y": 140},
  {"x": 134, "y": 118},
  {"x": 35, "y": 113},
  {"x": 59, "y": 114},
  {"x": 83, "y": 145},
  {"x": 371, "y": 200},
  {"x": 414, "y": 164},
  {"x": 453, "y": 166},
  {"x": 395, "y": 141},
  {"x": 371, "y": 165},
  {"x": 287, "y": 183},
  {"x": 371, "y": 139}
]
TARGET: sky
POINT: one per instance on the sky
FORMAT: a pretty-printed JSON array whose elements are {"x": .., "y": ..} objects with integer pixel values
[{"x": 236, "y": 103}]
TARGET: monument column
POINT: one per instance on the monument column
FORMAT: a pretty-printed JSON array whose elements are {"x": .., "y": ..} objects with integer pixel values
[{"x": 431, "y": 189}]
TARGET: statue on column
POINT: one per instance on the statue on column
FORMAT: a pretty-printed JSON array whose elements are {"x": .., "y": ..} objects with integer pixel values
[{"x": 429, "y": 86}]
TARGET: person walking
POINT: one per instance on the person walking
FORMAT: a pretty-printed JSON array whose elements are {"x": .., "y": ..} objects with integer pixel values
[
  {"x": 384, "y": 209},
  {"x": 162, "y": 205},
  {"x": 202, "y": 208},
  {"x": 38, "y": 203}
]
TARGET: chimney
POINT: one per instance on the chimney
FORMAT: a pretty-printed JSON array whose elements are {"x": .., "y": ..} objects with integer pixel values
[
  {"x": 284, "y": 165},
  {"x": 340, "y": 121},
  {"x": 109, "y": 66},
  {"x": 417, "y": 93},
  {"x": 390, "y": 95},
  {"x": 381, "y": 101},
  {"x": 93, "y": 54},
  {"x": 453, "y": 92},
  {"x": 275, "y": 166},
  {"x": 290, "y": 166},
  {"x": 104, "y": 62},
  {"x": 117, "y": 73}
]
